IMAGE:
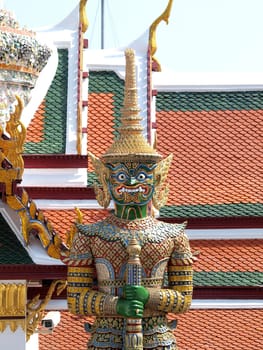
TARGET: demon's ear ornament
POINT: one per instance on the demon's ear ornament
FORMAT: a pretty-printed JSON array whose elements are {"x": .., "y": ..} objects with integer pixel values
[
  {"x": 102, "y": 172},
  {"x": 161, "y": 187}
]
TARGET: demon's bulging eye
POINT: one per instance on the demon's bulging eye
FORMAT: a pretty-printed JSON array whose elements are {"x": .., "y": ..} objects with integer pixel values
[
  {"x": 141, "y": 176},
  {"x": 121, "y": 177}
]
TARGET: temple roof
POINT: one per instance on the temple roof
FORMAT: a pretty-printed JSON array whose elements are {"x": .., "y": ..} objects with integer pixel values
[
  {"x": 220, "y": 329},
  {"x": 214, "y": 136},
  {"x": 231, "y": 329},
  {"x": 11, "y": 250},
  {"x": 228, "y": 262},
  {"x": 215, "y": 139}
]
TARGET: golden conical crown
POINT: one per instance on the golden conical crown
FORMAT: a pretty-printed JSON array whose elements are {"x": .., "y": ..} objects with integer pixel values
[{"x": 131, "y": 145}]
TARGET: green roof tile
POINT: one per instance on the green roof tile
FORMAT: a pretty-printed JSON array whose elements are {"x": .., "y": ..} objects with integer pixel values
[
  {"x": 109, "y": 82},
  {"x": 55, "y": 114},
  {"x": 228, "y": 279},
  {"x": 209, "y": 101},
  {"x": 216, "y": 210},
  {"x": 11, "y": 250},
  {"x": 92, "y": 179}
]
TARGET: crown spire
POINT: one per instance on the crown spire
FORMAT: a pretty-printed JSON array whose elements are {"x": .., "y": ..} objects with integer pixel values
[
  {"x": 131, "y": 145},
  {"x": 130, "y": 111}
]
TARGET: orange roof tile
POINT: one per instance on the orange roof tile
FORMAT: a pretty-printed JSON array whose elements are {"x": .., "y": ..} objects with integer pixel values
[
  {"x": 196, "y": 330},
  {"x": 62, "y": 220},
  {"x": 215, "y": 153},
  {"x": 68, "y": 335},
  {"x": 220, "y": 330},
  {"x": 228, "y": 255},
  {"x": 35, "y": 128},
  {"x": 100, "y": 115}
]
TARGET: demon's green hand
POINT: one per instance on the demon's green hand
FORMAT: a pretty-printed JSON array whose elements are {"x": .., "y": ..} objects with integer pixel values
[
  {"x": 136, "y": 293},
  {"x": 130, "y": 308}
]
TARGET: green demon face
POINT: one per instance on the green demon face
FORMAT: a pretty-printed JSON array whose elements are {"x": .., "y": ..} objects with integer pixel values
[{"x": 131, "y": 183}]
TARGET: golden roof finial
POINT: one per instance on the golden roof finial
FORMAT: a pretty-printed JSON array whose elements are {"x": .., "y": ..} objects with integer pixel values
[
  {"x": 131, "y": 144},
  {"x": 83, "y": 15},
  {"x": 152, "y": 35}
]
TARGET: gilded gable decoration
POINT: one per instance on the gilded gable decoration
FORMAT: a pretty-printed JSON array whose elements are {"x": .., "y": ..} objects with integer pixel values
[{"x": 152, "y": 36}]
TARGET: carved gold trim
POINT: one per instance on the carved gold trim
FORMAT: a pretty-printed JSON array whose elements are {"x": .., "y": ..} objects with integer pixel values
[
  {"x": 11, "y": 148},
  {"x": 36, "y": 307},
  {"x": 12, "y": 299},
  {"x": 161, "y": 192},
  {"x": 12, "y": 306},
  {"x": 11, "y": 171},
  {"x": 13, "y": 324},
  {"x": 152, "y": 35},
  {"x": 102, "y": 172},
  {"x": 4, "y": 66},
  {"x": 33, "y": 221},
  {"x": 17, "y": 132}
]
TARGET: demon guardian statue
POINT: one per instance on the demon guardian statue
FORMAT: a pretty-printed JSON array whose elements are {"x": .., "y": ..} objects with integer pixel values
[{"x": 143, "y": 266}]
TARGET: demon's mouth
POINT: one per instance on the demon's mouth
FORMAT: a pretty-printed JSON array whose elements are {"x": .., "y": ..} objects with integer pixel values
[{"x": 133, "y": 190}]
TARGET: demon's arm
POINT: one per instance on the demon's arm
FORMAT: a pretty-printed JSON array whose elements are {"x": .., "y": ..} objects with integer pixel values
[
  {"x": 82, "y": 296},
  {"x": 177, "y": 297}
]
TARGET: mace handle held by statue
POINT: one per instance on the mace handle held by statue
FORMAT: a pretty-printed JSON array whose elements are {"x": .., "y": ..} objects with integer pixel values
[{"x": 133, "y": 336}]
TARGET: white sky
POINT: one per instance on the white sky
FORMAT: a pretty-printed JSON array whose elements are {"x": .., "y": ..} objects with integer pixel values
[{"x": 202, "y": 35}]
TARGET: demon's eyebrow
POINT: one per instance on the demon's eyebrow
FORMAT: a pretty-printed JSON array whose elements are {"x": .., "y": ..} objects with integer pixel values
[
  {"x": 116, "y": 167},
  {"x": 145, "y": 167}
]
